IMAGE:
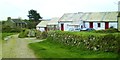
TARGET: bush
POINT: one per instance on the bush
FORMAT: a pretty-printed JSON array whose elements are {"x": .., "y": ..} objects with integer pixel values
[
  {"x": 44, "y": 35},
  {"x": 38, "y": 34},
  {"x": 110, "y": 30},
  {"x": 10, "y": 30},
  {"x": 41, "y": 35},
  {"x": 23, "y": 33},
  {"x": 91, "y": 41}
]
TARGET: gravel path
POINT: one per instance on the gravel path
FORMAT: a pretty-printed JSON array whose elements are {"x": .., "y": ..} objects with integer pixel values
[{"x": 16, "y": 47}]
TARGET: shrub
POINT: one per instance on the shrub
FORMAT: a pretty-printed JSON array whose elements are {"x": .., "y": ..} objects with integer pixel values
[
  {"x": 44, "y": 34},
  {"x": 8, "y": 29},
  {"x": 23, "y": 33},
  {"x": 41, "y": 35},
  {"x": 91, "y": 41},
  {"x": 38, "y": 34},
  {"x": 110, "y": 30}
]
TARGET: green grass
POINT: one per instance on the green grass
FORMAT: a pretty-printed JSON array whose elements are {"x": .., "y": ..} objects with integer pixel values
[
  {"x": 6, "y": 34},
  {"x": 47, "y": 49}
]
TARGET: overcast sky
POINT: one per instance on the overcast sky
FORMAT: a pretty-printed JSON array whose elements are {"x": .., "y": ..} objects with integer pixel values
[{"x": 53, "y": 8}]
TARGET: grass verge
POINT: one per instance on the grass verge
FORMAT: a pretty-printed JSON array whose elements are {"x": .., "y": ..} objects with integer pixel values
[
  {"x": 6, "y": 34},
  {"x": 46, "y": 49}
]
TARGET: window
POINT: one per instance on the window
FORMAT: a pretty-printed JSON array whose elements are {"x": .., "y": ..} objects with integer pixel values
[{"x": 98, "y": 24}]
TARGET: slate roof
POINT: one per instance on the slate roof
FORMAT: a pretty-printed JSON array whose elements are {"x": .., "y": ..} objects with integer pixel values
[{"x": 18, "y": 21}]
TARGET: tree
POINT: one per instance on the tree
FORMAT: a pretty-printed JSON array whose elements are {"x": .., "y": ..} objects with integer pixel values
[{"x": 33, "y": 15}]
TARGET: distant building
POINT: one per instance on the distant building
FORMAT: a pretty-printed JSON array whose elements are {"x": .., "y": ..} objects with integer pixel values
[
  {"x": 70, "y": 21},
  {"x": 47, "y": 25},
  {"x": 15, "y": 23},
  {"x": 42, "y": 26},
  {"x": 81, "y": 20}
]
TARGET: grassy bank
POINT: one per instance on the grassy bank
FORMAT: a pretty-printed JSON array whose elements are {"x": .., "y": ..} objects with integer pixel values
[
  {"x": 6, "y": 34},
  {"x": 48, "y": 49}
]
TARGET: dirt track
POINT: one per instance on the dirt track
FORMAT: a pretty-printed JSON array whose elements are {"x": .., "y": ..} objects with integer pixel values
[{"x": 16, "y": 47}]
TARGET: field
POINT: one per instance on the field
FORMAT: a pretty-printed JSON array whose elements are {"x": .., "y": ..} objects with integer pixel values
[{"x": 47, "y": 49}]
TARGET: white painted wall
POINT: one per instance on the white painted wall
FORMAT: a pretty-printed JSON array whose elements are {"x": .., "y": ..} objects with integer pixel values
[
  {"x": 86, "y": 24},
  {"x": 102, "y": 27},
  {"x": 66, "y": 27},
  {"x": 95, "y": 25},
  {"x": 40, "y": 29},
  {"x": 114, "y": 24}
]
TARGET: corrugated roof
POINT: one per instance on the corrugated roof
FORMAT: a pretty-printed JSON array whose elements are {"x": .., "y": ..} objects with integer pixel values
[
  {"x": 53, "y": 21},
  {"x": 85, "y": 15},
  {"x": 100, "y": 16},
  {"x": 43, "y": 23},
  {"x": 76, "y": 19},
  {"x": 67, "y": 17},
  {"x": 95, "y": 16},
  {"x": 110, "y": 16}
]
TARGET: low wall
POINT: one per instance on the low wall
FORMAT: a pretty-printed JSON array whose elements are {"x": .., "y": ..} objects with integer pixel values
[{"x": 87, "y": 40}]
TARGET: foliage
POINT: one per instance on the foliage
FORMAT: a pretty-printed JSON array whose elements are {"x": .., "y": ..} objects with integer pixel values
[
  {"x": 6, "y": 34},
  {"x": 91, "y": 41},
  {"x": 110, "y": 30},
  {"x": 10, "y": 30},
  {"x": 31, "y": 23},
  {"x": 41, "y": 35},
  {"x": 33, "y": 15},
  {"x": 44, "y": 34},
  {"x": 38, "y": 34},
  {"x": 50, "y": 49},
  {"x": 23, "y": 33}
]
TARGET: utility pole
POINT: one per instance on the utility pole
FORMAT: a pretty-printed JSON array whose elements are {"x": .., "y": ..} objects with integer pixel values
[{"x": 118, "y": 17}]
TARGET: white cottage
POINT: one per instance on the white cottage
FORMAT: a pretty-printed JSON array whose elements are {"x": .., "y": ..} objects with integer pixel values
[
  {"x": 95, "y": 20},
  {"x": 70, "y": 21},
  {"x": 42, "y": 26},
  {"x": 53, "y": 24},
  {"x": 101, "y": 20},
  {"x": 48, "y": 24}
]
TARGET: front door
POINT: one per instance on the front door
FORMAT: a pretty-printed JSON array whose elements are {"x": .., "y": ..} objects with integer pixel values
[
  {"x": 91, "y": 25},
  {"x": 62, "y": 27},
  {"x": 106, "y": 25}
]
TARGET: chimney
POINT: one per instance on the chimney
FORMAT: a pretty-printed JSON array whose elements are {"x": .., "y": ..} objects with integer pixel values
[{"x": 9, "y": 18}]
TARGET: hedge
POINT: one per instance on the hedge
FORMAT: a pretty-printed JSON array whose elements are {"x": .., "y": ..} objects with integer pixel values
[{"x": 86, "y": 40}]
